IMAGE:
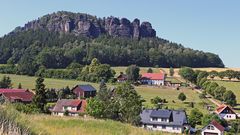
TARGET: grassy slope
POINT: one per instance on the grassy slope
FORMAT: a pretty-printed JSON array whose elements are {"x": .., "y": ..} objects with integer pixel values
[
  {"x": 235, "y": 87},
  {"x": 29, "y": 82},
  {"x": 79, "y": 126},
  {"x": 144, "y": 69},
  {"x": 51, "y": 125},
  {"x": 172, "y": 95}
]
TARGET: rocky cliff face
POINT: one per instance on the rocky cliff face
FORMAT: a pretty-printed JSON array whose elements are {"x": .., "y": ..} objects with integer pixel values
[{"x": 90, "y": 26}]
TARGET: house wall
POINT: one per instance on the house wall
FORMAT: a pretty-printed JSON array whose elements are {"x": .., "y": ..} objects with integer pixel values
[
  {"x": 228, "y": 116},
  {"x": 57, "y": 114},
  {"x": 159, "y": 120},
  {"x": 170, "y": 129},
  {"x": 78, "y": 92},
  {"x": 205, "y": 130},
  {"x": 153, "y": 82}
]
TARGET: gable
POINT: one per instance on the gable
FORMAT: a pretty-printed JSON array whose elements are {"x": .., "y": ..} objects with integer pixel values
[{"x": 224, "y": 109}]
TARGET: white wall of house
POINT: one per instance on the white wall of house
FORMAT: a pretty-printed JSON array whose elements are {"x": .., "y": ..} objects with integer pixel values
[
  {"x": 170, "y": 129},
  {"x": 211, "y": 129},
  {"x": 73, "y": 114},
  {"x": 154, "y": 82},
  {"x": 69, "y": 108},
  {"x": 159, "y": 120},
  {"x": 228, "y": 116},
  {"x": 57, "y": 114}
]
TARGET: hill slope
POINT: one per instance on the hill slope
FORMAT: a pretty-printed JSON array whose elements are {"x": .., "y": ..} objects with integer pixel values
[{"x": 57, "y": 39}]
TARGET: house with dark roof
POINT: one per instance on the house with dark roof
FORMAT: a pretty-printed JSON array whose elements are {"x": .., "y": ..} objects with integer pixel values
[
  {"x": 122, "y": 78},
  {"x": 173, "y": 121},
  {"x": 84, "y": 91},
  {"x": 226, "y": 112},
  {"x": 153, "y": 79},
  {"x": 16, "y": 95},
  {"x": 213, "y": 128},
  {"x": 72, "y": 106}
]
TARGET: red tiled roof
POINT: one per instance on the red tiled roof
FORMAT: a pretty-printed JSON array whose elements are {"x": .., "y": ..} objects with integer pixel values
[
  {"x": 12, "y": 90},
  {"x": 23, "y": 96},
  {"x": 222, "y": 107},
  {"x": 217, "y": 125},
  {"x": 153, "y": 76},
  {"x": 70, "y": 103}
]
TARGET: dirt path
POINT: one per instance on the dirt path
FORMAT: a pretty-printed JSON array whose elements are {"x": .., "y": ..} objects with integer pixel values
[{"x": 210, "y": 99}]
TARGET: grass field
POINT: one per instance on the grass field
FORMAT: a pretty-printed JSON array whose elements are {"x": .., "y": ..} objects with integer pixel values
[
  {"x": 171, "y": 95},
  {"x": 78, "y": 126},
  {"x": 29, "y": 82},
  {"x": 234, "y": 86},
  {"x": 41, "y": 124},
  {"x": 166, "y": 70}
]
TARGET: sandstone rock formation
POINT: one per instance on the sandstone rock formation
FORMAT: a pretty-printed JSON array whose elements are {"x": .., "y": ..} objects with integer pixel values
[{"x": 91, "y": 26}]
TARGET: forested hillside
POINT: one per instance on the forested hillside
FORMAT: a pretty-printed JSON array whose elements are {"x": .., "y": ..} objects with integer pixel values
[{"x": 36, "y": 45}]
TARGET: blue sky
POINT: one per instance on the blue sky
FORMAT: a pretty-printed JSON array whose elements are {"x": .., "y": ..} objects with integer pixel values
[{"x": 208, "y": 25}]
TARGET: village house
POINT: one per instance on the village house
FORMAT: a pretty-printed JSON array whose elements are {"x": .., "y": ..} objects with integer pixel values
[
  {"x": 72, "y": 106},
  {"x": 226, "y": 112},
  {"x": 122, "y": 78},
  {"x": 173, "y": 121},
  {"x": 213, "y": 128},
  {"x": 16, "y": 95},
  {"x": 157, "y": 79},
  {"x": 84, "y": 91}
]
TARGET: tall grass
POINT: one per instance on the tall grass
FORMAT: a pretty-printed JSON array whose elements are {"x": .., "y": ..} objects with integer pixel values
[{"x": 41, "y": 124}]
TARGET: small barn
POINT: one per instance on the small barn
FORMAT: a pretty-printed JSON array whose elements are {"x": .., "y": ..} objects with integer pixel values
[{"x": 84, "y": 91}]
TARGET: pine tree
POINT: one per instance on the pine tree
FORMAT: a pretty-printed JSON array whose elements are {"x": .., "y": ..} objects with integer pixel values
[
  {"x": 39, "y": 99},
  {"x": 6, "y": 82},
  {"x": 104, "y": 94},
  {"x": 19, "y": 86},
  {"x": 171, "y": 71}
]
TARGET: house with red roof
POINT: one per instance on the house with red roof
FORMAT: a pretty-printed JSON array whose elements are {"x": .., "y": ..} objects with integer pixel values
[
  {"x": 72, "y": 106},
  {"x": 226, "y": 112},
  {"x": 16, "y": 95},
  {"x": 213, "y": 128},
  {"x": 153, "y": 79}
]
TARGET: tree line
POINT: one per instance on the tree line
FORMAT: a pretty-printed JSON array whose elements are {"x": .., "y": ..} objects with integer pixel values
[
  {"x": 33, "y": 49},
  {"x": 200, "y": 78}
]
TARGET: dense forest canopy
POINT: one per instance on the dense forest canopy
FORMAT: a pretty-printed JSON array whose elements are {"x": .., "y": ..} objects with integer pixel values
[{"x": 54, "y": 49}]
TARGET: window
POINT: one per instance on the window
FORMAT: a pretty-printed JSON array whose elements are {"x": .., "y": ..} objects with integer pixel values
[
  {"x": 210, "y": 127},
  {"x": 164, "y": 119},
  {"x": 154, "y": 119},
  {"x": 154, "y": 126},
  {"x": 163, "y": 127}
]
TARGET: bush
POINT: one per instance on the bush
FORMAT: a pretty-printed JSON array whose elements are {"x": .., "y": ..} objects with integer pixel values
[
  {"x": 182, "y": 97},
  {"x": 26, "y": 108}
]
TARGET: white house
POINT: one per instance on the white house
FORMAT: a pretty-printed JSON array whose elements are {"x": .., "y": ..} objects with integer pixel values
[
  {"x": 226, "y": 112},
  {"x": 72, "y": 106},
  {"x": 214, "y": 128},
  {"x": 153, "y": 79},
  {"x": 172, "y": 121}
]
